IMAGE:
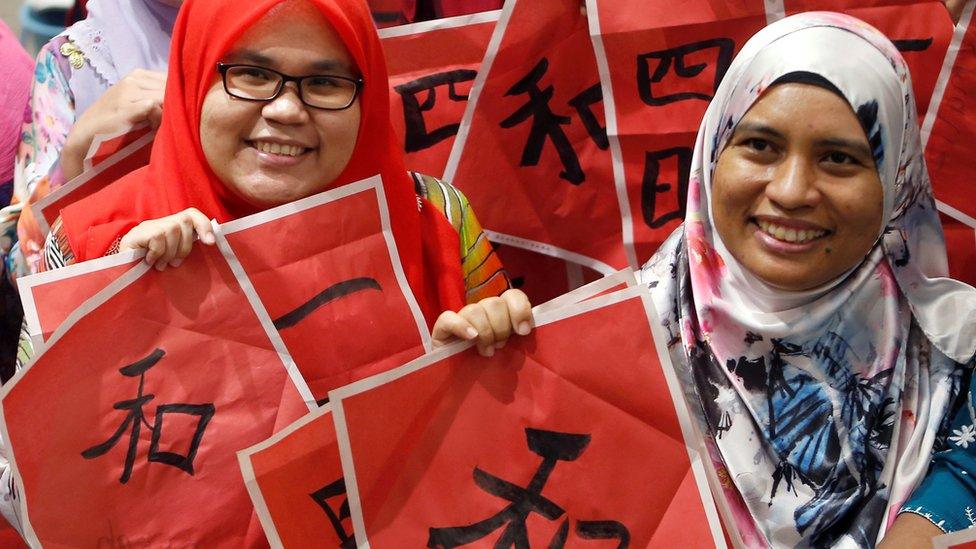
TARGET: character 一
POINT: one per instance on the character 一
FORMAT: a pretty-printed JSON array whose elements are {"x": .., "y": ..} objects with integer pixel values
[{"x": 135, "y": 419}]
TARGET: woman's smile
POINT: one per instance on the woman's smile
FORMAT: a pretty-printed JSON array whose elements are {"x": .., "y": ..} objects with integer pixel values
[{"x": 788, "y": 236}]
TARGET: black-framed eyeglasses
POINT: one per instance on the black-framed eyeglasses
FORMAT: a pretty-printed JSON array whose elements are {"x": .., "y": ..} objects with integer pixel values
[{"x": 319, "y": 91}]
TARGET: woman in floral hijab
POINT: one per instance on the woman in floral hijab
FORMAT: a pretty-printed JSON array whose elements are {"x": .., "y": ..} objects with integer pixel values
[{"x": 817, "y": 334}]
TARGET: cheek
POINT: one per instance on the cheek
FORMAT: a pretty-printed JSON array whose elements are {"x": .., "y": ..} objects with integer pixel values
[
  {"x": 734, "y": 191},
  {"x": 221, "y": 123},
  {"x": 340, "y": 133}
]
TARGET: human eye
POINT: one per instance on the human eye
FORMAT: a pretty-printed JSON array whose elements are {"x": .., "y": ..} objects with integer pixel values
[
  {"x": 323, "y": 82},
  {"x": 840, "y": 158},
  {"x": 254, "y": 74},
  {"x": 757, "y": 144}
]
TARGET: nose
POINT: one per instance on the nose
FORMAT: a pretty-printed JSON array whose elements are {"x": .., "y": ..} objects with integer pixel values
[
  {"x": 287, "y": 108},
  {"x": 794, "y": 183}
]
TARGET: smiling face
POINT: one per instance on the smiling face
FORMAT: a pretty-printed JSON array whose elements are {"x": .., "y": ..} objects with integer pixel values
[
  {"x": 270, "y": 153},
  {"x": 796, "y": 196}
]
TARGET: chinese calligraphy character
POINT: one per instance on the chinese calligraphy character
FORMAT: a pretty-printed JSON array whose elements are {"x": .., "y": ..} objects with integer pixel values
[
  {"x": 545, "y": 124},
  {"x": 674, "y": 59},
  {"x": 553, "y": 447},
  {"x": 583, "y": 103},
  {"x": 321, "y": 497},
  {"x": 136, "y": 418},
  {"x": 418, "y": 137},
  {"x": 651, "y": 187},
  {"x": 326, "y": 296}
]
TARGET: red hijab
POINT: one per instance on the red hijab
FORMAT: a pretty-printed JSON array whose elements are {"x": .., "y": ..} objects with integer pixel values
[{"x": 178, "y": 175}]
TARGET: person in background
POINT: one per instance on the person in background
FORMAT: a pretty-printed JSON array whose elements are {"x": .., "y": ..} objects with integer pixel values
[
  {"x": 16, "y": 68},
  {"x": 100, "y": 76}
]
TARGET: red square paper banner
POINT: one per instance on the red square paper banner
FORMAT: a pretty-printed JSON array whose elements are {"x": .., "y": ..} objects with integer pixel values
[
  {"x": 126, "y": 426},
  {"x": 327, "y": 271},
  {"x": 531, "y": 153},
  {"x": 920, "y": 29},
  {"x": 49, "y": 297},
  {"x": 659, "y": 67},
  {"x": 295, "y": 481},
  {"x": 534, "y": 447},
  {"x": 948, "y": 130},
  {"x": 432, "y": 68},
  {"x": 109, "y": 165}
]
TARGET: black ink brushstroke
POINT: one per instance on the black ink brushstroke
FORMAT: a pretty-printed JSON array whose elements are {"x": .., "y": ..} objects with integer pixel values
[{"x": 328, "y": 295}]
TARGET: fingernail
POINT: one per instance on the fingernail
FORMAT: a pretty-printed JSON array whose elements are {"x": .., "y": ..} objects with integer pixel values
[
  {"x": 472, "y": 333},
  {"x": 489, "y": 352},
  {"x": 176, "y": 262},
  {"x": 523, "y": 328},
  {"x": 499, "y": 344},
  {"x": 209, "y": 238}
]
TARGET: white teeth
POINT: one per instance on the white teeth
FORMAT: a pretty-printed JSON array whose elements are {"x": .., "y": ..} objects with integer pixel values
[
  {"x": 277, "y": 148},
  {"x": 787, "y": 234}
]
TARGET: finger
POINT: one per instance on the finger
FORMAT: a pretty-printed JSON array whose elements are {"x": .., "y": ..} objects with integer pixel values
[
  {"x": 133, "y": 240},
  {"x": 155, "y": 247},
  {"x": 187, "y": 237},
  {"x": 519, "y": 310},
  {"x": 476, "y": 315},
  {"x": 451, "y": 325},
  {"x": 155, "y": 116},
  {"x": 496, "y": 309},
  {"x": 201, "y": 226},
  {"x": 171, "y": 236},
  {"x": 141, "y": 111}
]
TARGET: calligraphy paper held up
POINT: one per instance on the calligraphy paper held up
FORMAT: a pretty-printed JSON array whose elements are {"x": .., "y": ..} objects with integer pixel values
[
  {"x": 948, "y": 130},
  {"x": 295, "y": 481},
  {"x": 659, "y": 68},
  {"x": 110, "y": 158},
  {"x": 328, "y": 273},
  {"x": 531, "y": 151},
  {"x": 582, "y": 423},
  {"x": 49, "y": 297},
  {"x": 432, "y": 68},
  {"x": 126, "y": 426}
]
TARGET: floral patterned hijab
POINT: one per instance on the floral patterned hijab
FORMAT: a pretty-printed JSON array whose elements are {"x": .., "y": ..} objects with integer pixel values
[
  {"x": 117, "y": 37},
  {"x": 821, "y": 408}
]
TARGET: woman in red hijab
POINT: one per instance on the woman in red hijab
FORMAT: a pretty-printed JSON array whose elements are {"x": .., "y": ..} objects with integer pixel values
[{"x": 270, "y": 101}]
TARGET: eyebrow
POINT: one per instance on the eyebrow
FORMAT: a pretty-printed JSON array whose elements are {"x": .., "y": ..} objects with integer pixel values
[
  {"x": 839, "y": 142},
  {"x": 318, "y": 67}
]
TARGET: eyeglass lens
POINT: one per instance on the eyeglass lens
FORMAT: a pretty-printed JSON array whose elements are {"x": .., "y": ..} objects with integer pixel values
[{"x": 326, "y": 92}]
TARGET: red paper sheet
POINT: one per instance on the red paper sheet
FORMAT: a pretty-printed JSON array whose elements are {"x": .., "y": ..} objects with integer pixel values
[
  {"x": 657, "y": 111},
  {"x": 455, "y": 440},
  {"x": 432, "y": 67},
  {"x": 125, "y": 429},
  {"x": 295, "y": 481},
  {"x": 111, "y": 159},
  {"x": 921, "y": 29},
  {"x": 328, "y": 273},
  {"x": 531, "y": 153},
  {"x": 51, "y": 296},
  {"x": 949, "y": 129},
  {"x": 961, "y": 245},
  {"x": 540, "y": 276}
]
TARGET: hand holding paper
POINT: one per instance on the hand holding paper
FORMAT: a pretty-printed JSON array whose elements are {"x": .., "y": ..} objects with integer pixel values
[
  {"x": 491, "y": 321},
  {"x": 168, "y": 240}
]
